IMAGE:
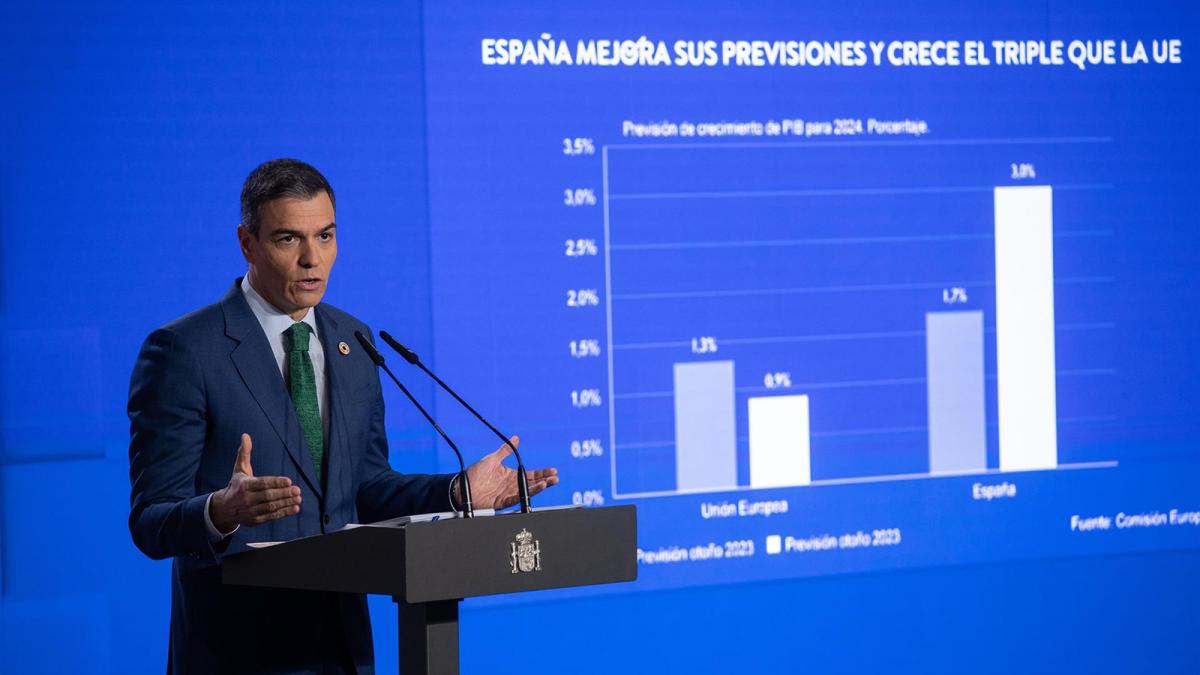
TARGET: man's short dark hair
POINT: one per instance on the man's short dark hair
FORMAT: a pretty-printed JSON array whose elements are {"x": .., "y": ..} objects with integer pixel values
[{"x": 278, "y": 179}]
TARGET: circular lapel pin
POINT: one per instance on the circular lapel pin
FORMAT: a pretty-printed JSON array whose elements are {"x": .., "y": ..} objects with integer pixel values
[{"x": 343, "y": 348}]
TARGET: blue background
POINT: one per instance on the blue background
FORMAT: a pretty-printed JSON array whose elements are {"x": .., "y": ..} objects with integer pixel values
[{"x": 125, "y": 133}]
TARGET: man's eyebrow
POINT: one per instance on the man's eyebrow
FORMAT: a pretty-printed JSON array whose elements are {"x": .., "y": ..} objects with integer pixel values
[{"x": 283, "y": 231}]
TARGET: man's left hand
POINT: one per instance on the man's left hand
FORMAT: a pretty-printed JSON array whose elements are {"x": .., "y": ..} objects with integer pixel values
[{"x": 494, "y": 486}]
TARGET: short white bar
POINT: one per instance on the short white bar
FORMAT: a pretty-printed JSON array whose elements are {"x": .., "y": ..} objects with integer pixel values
[
  {"x": 1025, "y": 328},
  {"x": 779, "y": 441}
]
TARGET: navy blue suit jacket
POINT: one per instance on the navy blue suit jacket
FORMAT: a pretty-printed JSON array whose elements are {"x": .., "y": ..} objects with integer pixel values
[{"x": 202, "y": 381}]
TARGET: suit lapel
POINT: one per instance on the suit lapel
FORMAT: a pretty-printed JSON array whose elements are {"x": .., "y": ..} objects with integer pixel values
[
  {"x": 255, "y": 362},
  {"x": 335, "y": 382}
]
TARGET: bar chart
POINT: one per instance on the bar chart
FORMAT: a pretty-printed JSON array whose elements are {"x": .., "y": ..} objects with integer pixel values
[
  {"x": 821, "y": 320},
  {"x": 946, "y": 291}
]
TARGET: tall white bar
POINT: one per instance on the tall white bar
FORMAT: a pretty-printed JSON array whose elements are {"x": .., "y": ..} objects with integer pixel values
[
  {"x": 779, "y": 441},
  {"x": 1025, "y": 328}
]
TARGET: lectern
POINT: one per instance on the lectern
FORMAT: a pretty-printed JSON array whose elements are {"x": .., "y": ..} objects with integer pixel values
[{"x": 428, "y": 567}]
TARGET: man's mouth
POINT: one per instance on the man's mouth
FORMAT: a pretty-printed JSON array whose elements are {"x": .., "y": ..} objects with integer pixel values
[{"x": 309, "y": 284}]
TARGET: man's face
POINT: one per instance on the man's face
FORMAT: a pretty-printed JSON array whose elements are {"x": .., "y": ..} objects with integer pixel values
[{"x": 292, "y": 255}]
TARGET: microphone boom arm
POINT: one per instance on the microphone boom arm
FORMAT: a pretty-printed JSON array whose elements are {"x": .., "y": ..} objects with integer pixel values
[
  {"x": 411, "y": 356},
  {"x": 377, "y": 358}
]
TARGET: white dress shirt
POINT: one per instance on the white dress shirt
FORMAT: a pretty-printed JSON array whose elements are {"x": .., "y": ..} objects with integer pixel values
[{"x": 275, "y": 324}]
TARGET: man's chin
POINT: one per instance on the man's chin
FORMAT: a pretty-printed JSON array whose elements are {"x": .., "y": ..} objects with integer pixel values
[{"x": 303, "y": 301}]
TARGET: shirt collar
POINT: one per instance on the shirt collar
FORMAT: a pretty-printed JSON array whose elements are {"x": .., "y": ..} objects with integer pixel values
[{"x": 273, "y": 321}]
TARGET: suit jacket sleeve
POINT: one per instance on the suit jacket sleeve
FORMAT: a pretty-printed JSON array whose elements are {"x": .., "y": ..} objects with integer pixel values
[
  {"x": 167, "y": 414},
  {"x": 385, "y": 493}
]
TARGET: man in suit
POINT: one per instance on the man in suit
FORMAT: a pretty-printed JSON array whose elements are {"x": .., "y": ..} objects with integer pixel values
[{"x": 259, "y": 418}]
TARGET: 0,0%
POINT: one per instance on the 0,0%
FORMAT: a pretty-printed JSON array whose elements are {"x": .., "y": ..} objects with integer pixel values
[{"x": 587, "y": 498}]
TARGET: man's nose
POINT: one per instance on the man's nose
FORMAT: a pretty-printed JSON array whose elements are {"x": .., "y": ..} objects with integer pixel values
[{"x": 310, "y": 255}]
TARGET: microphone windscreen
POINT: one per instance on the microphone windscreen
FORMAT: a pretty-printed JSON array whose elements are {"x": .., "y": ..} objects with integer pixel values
[
  {"x": 408, "y": 354},
  {"x": 369, "y": 348}
]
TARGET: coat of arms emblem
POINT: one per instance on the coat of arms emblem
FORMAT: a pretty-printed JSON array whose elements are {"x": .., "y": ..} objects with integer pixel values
[{"x": 526, "y": 553}]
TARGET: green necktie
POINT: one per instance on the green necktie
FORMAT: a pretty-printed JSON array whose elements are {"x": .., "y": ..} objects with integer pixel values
[{"x": 303, "y": 383}]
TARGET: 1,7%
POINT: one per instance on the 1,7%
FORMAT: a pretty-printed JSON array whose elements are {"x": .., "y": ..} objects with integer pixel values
[{"x": 955, "y": 295}]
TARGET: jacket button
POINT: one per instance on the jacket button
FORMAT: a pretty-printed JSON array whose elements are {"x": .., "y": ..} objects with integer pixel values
[{"x": 326, "y": 518}]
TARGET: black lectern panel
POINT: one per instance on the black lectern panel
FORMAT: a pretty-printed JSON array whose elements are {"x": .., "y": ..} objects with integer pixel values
[
  {"x": 458, "y": 558},
  {"x": 428, "y": 567},
  {"x": 520, "y": 552}
]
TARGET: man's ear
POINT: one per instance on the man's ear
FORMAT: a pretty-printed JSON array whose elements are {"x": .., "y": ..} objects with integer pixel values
[{"x": 246, "y": 241}]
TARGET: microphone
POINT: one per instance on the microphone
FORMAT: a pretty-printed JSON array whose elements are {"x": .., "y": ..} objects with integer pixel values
[
  {"x": 377, "y": 358},
  {"x": 411, "y": 356}
]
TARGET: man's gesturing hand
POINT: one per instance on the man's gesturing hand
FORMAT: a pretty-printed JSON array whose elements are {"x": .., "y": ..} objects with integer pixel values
[
  {"x": 494, "y": 486},
  {"x": 252, "y": 501}
]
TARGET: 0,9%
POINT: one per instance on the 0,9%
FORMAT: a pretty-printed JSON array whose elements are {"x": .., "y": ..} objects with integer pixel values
[{"x": 779, "y": 380}]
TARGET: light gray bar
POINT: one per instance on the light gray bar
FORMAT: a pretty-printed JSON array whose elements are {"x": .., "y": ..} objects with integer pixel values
[
  {"x": 705, "y": 426},
  {"x": 954, "y": 366}
]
